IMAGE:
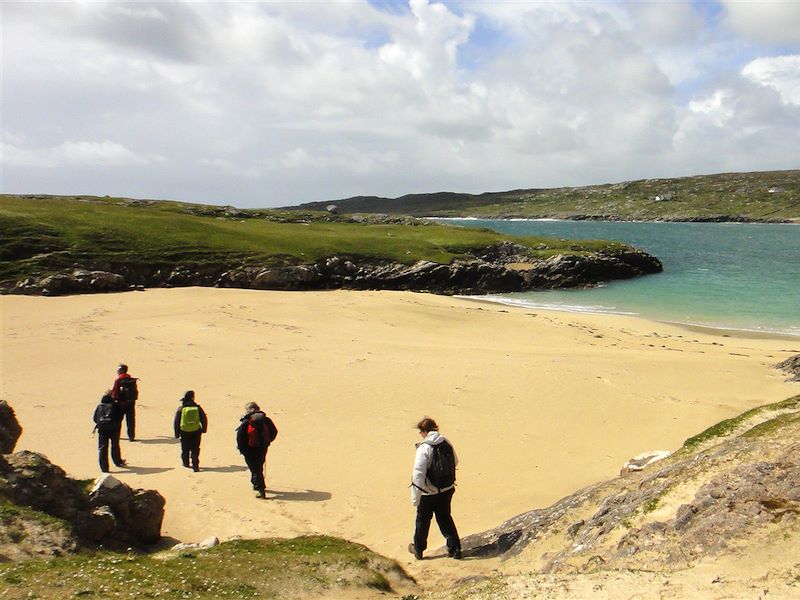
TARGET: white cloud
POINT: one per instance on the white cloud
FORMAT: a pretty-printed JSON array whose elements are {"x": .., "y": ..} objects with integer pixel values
[
  {"x": 782, "y": 73},
  {"x": 715, "y": 108},
  {"x": 771, "y": 21},
  {"x": 312, "y": 101},
  {"x": 99, "y": 154}
]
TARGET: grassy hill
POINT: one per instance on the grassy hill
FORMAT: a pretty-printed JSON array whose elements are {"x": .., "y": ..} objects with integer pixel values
[
  {"x": 758, "y": 196},
  {"x": 48, "y": 233}
]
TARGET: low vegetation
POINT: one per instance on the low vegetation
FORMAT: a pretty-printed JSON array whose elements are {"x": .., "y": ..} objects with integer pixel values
[
  {"x": 266, "y": 568},
  {"x": 759, "y": 196},
  {"x": 772, "y": 412},
  {"x": 48, "y": 233}
]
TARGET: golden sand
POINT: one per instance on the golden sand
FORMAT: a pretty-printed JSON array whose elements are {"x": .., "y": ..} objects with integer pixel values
[{"x": 538, "y": 404}]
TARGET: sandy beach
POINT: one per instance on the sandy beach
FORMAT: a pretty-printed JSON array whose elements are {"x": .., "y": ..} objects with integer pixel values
[{"x": 538, "y": 404}]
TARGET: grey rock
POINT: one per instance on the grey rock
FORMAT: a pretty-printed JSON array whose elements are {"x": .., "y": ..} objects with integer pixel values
[
  {"x": 792, "y": 366},
  {"x": 147, "y": 515},
  {"x": 10, "y": 429},
  {"x": 99, "y": 524},
  {"x": 502, "y": 267}
]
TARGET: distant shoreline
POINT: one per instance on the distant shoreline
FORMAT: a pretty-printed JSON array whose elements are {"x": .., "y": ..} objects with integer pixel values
[
  {"x": 722, "y": 220},
  {"x": 721, "y": 331}
]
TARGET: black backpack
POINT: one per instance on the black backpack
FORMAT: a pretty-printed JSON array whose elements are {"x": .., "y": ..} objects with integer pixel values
[
  {"x": 442, "y": 470},
  {"x": 105, "y": 416},
  {"x": 127, "y": 392}
]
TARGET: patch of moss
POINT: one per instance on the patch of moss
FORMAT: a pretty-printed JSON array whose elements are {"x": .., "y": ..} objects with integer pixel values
[
  {"x": 773, "y": 425},
  {"x": 724, "y": 428},
  {"x": 651, "y": 505}
]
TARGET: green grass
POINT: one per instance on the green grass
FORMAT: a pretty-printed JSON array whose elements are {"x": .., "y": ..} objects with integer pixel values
[
  {"x": 727, "y": 426},
  {"x": 10, "y": 512},
  {"x": 772, "y": 195},
  {"x": 237, "y": 569},
  {"x": 651, "y": 505},
  {"x": 46, "y": 234}
]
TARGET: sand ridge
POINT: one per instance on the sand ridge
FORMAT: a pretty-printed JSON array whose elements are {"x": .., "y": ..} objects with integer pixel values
[{"x": 537, "y": 403}]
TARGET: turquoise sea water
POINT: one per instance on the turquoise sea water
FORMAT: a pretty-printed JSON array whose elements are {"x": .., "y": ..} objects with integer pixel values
[{"x": 728, "y": 276}]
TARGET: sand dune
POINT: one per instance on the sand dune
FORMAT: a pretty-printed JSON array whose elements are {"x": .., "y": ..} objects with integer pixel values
[{"x": 537, "y": 403}]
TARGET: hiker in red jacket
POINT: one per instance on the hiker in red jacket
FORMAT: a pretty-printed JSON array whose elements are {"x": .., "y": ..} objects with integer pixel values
[
  {"x": 125, "y": 393},
  {"x": 253, "y": 437}
]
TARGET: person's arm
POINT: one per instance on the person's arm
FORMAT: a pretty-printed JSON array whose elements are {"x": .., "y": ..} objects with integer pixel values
[
  {"x": 177, "y": 422},
  {"x": 241, "y": 436},
  {"x": 203, "y": 419},
  {"x": 422, "y": 461}
]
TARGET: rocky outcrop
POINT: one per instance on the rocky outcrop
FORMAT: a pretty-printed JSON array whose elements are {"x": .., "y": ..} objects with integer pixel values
[
  {"x": 113, "y": 515},
  {"x": 696, "y": 503},
  {"x": 29, "y": 479},
  {"x": 500, "y": 268},
  {"x": 128, "y": 515},
  {"x": 10, "y": 429},
  {"x": 640, "y": 461},
  {"x": 792, "y": 366}
]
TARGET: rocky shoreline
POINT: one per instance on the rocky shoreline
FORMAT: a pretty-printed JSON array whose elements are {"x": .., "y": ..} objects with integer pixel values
[
  {"x": 504, "y": 267},
  {"x": 618, "y": 219}
]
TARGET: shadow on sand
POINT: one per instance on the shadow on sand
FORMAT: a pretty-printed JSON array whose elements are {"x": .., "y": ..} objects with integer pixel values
[
  {"x": 161, "y": 439},
  {"x": 145, "y": 470},
  {"x": 299, "y": 495},
  {"x": 228, "y": 469}
]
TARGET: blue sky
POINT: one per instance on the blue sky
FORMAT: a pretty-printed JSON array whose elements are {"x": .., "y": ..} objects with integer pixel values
[{"x": 270, "y": 104}]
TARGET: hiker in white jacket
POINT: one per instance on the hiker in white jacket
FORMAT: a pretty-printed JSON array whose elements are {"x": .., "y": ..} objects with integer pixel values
[{"x": 432, "y": 489}]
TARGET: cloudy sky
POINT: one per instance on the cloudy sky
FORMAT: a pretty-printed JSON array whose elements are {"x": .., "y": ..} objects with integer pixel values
[{"x": 263, "y": 104}]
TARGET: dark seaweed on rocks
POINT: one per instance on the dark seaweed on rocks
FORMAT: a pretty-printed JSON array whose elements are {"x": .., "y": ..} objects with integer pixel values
[{"x": 502, "y": 267}]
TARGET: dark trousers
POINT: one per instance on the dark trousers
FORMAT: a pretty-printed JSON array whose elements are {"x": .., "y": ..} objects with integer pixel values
[
  {"x": 129, "y": 416},
  {"x": 103, "y": 439},
  {"x": 255, "y": 458},
  {"x": 130, "y": 420},
  {"x": 190, "y": 448},
  {"x": 439, "y": 505}
]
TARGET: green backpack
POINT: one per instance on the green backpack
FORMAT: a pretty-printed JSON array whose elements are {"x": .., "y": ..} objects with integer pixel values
[{"x": 190, "y": 419}]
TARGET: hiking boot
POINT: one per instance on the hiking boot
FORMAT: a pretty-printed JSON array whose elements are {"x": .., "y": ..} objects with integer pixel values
[
  {"x": 456, "y": 554},
  {"x": 413, "y": 549},
  {"x": 122, "y": 463},
  {"x": 260, "y": 494},
  {"x": 195, "y": 468}
]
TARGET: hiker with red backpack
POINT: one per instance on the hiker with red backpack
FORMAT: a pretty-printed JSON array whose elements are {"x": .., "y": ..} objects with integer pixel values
[
  {"x": 125, "y": 393},
  {"x": 253, "y": 437},
  {"x": 106, "y": 422},
  {"x": 433, "y": 483},
  {"x": 190, "y": 425}
]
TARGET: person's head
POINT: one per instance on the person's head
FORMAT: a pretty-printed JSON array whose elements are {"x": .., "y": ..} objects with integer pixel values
[
  {"x": 188, "y": 397},
  {"x": 106, "y": 398},
  {"x": 122, "y": 368},
  {"x": 251, "y": 407},
  {"x": 427, "y": 425}
]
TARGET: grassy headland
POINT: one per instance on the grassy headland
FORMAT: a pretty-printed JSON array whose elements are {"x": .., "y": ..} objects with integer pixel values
[
  {"x": 48, "y": 233},
  {"x": 757, "y": 196}
]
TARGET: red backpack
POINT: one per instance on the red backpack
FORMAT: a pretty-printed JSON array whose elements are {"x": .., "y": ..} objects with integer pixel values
[{"x": 261, "y": 433}]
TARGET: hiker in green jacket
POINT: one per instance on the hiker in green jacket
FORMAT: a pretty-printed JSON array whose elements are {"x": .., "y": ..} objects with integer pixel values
[{"x": 190, "y": 424}]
